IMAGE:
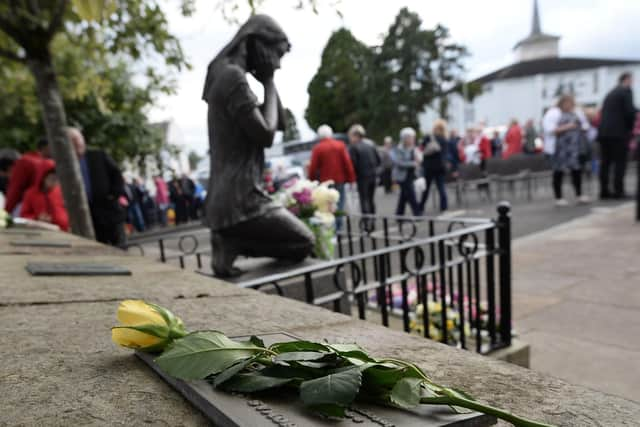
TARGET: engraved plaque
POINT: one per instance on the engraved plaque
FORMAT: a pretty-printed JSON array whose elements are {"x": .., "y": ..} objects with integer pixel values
[
  {"x": 40, "y": 243},
  {"x": 75, "y": 269},
  {"x": 284, "y": 408}
]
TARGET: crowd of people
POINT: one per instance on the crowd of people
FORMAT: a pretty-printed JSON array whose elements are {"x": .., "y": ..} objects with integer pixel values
[
  {"x": 119, "y": 205},
  {"x": 567, "y": 137},
  {"x": 572, "y": 139}
]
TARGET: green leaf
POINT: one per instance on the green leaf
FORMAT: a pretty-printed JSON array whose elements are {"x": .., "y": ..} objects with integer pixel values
[
  {"x": 200, "y": 354},
  {"x": 385, "y": 377},
  {"x": 294, "y": 372},
  {"x": 251, "y": 383},
  {"x": 231, "y": 371},
  {"x": 340, "y": 388},
  {"x": 303, "y": 356},
  {"x": 352, "y": 351},
  {"x": 406, "y": 393},
  {"x": 286, "y": 347}
]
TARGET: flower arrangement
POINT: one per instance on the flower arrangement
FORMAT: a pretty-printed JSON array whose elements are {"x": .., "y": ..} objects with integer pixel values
[
  {"x": 327, "y": 377},
  {"x": 315, "y": 204}
]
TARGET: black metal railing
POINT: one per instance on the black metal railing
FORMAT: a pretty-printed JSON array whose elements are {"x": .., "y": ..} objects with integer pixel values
[
  {"x": 453, "y": 273},
  {"x": 446, "y": 279}
]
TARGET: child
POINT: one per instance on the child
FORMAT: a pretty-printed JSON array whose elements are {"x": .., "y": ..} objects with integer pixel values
[{"x": 43, "y": 201}]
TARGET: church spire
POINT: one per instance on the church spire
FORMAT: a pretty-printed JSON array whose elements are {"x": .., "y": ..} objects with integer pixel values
[{"x": 535, "y": 27}]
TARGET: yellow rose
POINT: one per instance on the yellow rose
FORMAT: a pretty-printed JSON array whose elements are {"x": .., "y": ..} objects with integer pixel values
[{"x": 146, "y": 326}]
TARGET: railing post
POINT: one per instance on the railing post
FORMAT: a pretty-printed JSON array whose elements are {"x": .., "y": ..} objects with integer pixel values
[
  {"x": 308, "y": 288},
  {"x": 504, "y": 241},
  {"x": 162, "y": 255}
]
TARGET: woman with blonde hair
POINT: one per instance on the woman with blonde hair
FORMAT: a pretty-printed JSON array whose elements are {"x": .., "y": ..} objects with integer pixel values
[{"x": 434, "y": 163}]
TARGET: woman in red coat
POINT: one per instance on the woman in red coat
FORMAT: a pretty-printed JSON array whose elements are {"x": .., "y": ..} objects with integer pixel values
[
  {"x": 513, "y": 140},
  {"x": 43, "y": 201}
]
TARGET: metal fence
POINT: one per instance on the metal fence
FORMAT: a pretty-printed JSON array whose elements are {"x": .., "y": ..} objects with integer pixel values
[{"x": 446, "y": 279}]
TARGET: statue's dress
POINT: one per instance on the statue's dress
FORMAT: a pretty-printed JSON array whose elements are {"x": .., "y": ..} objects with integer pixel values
[{"x": 243, "y": 219}]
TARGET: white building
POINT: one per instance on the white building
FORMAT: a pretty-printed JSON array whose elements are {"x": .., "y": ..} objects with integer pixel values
[{"x": 526, "y": 88}]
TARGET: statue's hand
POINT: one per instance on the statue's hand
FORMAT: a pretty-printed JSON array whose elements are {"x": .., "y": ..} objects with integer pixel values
[{"x": 264, "y": 75}]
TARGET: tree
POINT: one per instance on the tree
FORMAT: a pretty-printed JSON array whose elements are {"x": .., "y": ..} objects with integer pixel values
[
  {"x": 194, "y": 160},
  {"x": 338, "y": 91},
  {"x": 27, "y": 30},
  {"x": 102, "y": 101},
  {"x": 291, "y": 132},
  {"x": 412, "y": 68},
  {"x": 447, "y": 68}
]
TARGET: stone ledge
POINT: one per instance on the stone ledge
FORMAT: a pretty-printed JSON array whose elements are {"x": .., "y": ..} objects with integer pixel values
[{"x": 60, "y": 367}]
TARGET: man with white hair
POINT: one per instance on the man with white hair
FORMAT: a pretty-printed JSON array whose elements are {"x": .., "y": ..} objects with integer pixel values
[
  {"x": 405, "y": 162},
  {"x": 330, "y": 161},
  {"x": 104, "y": 184}
]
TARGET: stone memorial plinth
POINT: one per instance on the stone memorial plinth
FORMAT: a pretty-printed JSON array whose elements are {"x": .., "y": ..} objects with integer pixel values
[{"x": 59, "y": 366}]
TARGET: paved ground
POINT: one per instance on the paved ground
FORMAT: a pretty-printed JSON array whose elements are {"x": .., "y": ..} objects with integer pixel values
[{"x": 576, "y": 298}]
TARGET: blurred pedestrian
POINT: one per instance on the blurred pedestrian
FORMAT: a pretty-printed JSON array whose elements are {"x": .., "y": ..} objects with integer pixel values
[
  {"x": 330, "y": 161},
  {"x": 513, "y": 140},
  {"x": 453, "y": 154},
  {"x": 405, "y": 163},
  {"x": 496, "y": 144},
  {"x": 24, "y": 173},
  {"x": 469, "y": 149},
  {"x": 387, "y": 164},
  {"x": 570, "y": 136},
  {"x": 434, "y": 163},
  {"x": 366, "y": 163},
  {"x": 162, "y": 199},
  {"x": 530, "y": 136},
  {"x": 43, "y": 201},
  {"x": 104, "y": 185},
  {"x": 179, "y": 201},
  {"x": 616, "y": 124}
]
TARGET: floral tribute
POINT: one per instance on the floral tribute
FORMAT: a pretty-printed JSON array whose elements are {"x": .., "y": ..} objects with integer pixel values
[
  {"x": 316, "y": 205},
  {"x": 327, "y": 377}
]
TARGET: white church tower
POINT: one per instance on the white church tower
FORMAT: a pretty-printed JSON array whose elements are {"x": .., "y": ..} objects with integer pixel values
[{"x": 538, "y": 44}]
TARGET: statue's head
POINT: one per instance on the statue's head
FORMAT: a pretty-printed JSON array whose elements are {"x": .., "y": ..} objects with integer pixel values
[
  {"x": 265, "y": 44},
  {"x": 261, "y": 41}
]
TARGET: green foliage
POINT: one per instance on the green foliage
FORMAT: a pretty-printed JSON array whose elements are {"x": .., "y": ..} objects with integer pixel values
[
  {"x": 338, "y": 92},
  {"x": 205, "y": 353},
  {"x": 387, "y": 87},
  {"x": 291, "y": 132},
  {"x": 102, "y": 100},
  {"x": 194, "y": 160}
]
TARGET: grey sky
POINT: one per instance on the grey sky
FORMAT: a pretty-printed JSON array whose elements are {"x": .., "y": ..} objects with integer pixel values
[{"x": 489, "y": 28}]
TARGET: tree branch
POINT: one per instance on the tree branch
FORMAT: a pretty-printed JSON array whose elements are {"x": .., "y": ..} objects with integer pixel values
[
  {"x": 56, "y": 18},
  {"x": 12, "y": 56},
  {"x": 11, "y": 30}
]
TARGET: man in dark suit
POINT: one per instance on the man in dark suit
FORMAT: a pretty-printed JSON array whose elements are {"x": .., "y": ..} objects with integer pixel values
[
  {"x": 614, "y": 133},
  {"x": 104, "y": 185}
]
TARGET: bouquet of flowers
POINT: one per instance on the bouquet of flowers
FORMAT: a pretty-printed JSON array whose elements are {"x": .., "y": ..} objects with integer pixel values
[{"x": 315, "y": 204}]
